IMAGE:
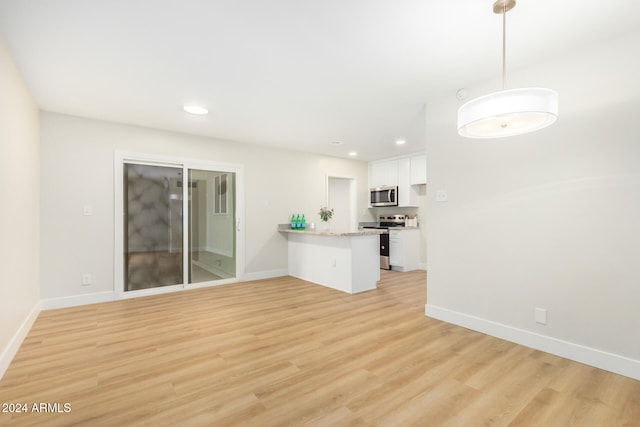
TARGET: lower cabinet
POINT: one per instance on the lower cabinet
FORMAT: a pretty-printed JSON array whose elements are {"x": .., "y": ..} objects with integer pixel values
[{"x": 404, "y": 249}]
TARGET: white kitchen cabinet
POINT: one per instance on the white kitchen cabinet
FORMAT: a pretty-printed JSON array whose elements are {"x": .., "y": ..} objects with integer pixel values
[
  {"x": 404, "y": 249},
  {"x": 407, "y": 194},
  {"x": 376, "y": 174},
  {"x": 405, "y": 172},
  {"x": 348, "y": 262},
  {"x": 419, "y": 169},
  {"x": 383, "y": 173}
]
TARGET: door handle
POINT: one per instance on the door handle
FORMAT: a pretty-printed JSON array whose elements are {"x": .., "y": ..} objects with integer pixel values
[{"x": 238, "y": 225}]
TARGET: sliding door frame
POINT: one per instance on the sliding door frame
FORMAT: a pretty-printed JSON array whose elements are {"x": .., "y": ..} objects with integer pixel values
[{"x": 122, "y": 157}]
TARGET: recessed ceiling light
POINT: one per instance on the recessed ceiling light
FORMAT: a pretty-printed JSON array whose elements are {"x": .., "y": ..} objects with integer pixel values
[
  {"x": 352, "y": 153},
  {"x": 336, "y": 143},
  {"x": 195, "y": 109},
  {"x": 400, "y": 142}
]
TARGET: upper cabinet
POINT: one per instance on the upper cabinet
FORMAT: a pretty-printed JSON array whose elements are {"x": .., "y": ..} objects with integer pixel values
[
  {"x": 419, "y": 169},
  {"x": 407, "y": 195},
  {"x": 404, "y": 172},
  {"x": 382, "y": 174}
]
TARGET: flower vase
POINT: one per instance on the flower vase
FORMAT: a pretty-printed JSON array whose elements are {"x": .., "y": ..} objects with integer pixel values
[{"x": 325, "y": 226}]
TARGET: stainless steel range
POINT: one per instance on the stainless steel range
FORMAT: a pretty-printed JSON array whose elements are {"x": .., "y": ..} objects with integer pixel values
[
  {"x": 388, "y": 221},
  {"x": 385, "y": 222}
]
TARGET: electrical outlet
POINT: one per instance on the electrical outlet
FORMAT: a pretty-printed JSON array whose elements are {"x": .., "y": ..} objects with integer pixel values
[
  {"x": 442, "y": 196},
  {"x": 86, "y": 279},
  {"x": 540, "y": 316}
]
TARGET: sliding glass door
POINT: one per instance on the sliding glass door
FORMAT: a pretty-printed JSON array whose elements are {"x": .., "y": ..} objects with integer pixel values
[
  {"x": 153, "y": 231},
  {"x": 212, "y": 225},
  {"x": 175, "y": 232}
]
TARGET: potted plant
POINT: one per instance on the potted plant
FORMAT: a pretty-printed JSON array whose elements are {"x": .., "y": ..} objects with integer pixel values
[{"x": 325, "y": 215}]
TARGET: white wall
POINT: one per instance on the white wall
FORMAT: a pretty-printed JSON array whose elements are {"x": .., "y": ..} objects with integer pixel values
[
  {"x": 77, "y": 170},
  {"x": 550, "y": 219},
  {"x": 19, "y": 214}
]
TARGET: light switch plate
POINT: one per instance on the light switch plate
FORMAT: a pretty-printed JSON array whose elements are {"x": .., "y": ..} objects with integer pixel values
[{"x": 442, "y": 196}]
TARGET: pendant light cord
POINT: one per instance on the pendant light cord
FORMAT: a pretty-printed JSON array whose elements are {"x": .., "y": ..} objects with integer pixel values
[{"x": 504, "y": 45}]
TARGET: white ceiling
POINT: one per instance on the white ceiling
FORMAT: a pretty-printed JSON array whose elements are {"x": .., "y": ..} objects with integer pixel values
[{"x": 298, "y": 74}]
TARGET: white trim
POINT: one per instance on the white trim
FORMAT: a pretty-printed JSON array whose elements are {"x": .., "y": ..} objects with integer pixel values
[
  {"x": 267, "y": 274},
  {"x": 353, "y": 196},
  {"x": 121, "y": 157},
  {"x": 212, "y": 283},
  {"x": 422, "y": 266},
  {"x": 159, "y": 290},
  {"x": 75, "y": 300},
  {"x": 9, "y": 352},
  {"x": 186, "y": 236},
  {"x": 577, "y": 352}
]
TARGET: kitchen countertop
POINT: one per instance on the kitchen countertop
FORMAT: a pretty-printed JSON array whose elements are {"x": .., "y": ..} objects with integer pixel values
[{"x": 316, "y": 232}]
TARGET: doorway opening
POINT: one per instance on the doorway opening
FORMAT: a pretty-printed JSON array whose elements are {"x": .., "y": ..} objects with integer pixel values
[{"x": 341, "y": 196}]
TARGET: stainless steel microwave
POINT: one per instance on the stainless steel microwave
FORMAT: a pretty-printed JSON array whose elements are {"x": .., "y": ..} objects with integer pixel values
[{"x": 384, "y": 196}]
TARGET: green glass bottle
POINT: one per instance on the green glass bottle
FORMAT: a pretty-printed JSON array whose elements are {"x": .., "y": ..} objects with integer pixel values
[
  {"x": 298, "y": 224},
  {"x": 293, "y": 222},
  {"x": 303, "y": 225}
]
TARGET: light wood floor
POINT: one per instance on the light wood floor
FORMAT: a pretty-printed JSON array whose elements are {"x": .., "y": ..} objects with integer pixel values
[{"x": 285, "y": 352}]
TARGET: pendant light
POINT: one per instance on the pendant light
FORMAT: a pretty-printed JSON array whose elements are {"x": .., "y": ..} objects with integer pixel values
[{"x": 507, "y": 112}]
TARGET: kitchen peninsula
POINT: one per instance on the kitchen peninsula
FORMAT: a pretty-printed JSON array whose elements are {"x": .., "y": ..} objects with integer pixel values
[{"x": 347, "y": 261}]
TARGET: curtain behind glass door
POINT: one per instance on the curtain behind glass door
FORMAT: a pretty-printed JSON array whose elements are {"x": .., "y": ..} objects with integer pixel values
[{"x": 153, "y": 229}]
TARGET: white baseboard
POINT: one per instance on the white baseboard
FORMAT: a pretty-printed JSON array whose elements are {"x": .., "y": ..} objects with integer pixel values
[
  {"x": 224, "y": 252},
  {"x": 9, "y": 352},
  {"x": 268, "y": 274},
  {"x": 213, "y": 270},
  {"x": 74, "y": 300},
  {"x": 576, "y": 352},
  {"x": 422, "y": 266}
]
